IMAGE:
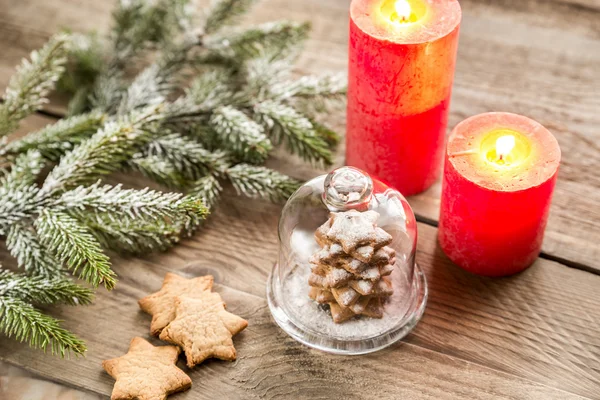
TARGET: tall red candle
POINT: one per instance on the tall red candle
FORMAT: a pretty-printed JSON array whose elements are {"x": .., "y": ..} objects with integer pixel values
[
  {"x": 499, "y": 176},
  {"x": 401, "y": 67}
]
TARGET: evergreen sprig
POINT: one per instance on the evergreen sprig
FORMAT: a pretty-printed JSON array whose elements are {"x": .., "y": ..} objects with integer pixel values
[
  {"x": 286, "y": 125},
  {"x": 27, "y": 89},
  {"x": 104, "y": 152},
  {"x": 74, "y": 245},
  {"x": 56, "y": 139},
  {"x": 225, "y": 12},
  {"x": 21, "y": 320},
  {"x": 258, "y": 181}
]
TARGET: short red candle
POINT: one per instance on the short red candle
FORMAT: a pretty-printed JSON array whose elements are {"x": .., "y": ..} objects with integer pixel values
[
  {"x": 401, "y": 67},
  {"x": 500, "y": 172}
]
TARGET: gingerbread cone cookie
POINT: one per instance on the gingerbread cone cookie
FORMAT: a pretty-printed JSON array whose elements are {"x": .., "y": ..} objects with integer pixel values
[{"x": 350, "y": 271}]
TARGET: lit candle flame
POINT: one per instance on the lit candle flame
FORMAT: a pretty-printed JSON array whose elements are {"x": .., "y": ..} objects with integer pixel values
[
  {"x": 504, "y": 145},
  {"x": 403, "y": 9}
]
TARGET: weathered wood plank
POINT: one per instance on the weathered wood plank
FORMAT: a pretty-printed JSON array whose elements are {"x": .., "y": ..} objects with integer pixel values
[
  {"x": 537, "y": 332},
  {"x": 538, "y": 58}
]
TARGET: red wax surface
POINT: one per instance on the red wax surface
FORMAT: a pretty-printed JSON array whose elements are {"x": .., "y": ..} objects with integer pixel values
[
  {"x": 399, "y": 84},
  {"x": 492, "y": 220}
]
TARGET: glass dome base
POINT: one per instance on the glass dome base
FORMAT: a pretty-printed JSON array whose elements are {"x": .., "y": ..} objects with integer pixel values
[{"x": 388, "y": 331}]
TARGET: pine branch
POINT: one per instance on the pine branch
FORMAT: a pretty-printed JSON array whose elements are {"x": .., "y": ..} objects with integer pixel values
[
  {"x": 331, "y": 137},
  {"x": 34, "y": 79},
  {"x": 278, "y": 39},
  {"x": 85, "y": 62},
  {"x": 256, "y": 181},
  {"x": 236, "y": 131},
  {"x": 56, "y": 139},
  {"x": 187, "y": 159},
  {"x": 225, "y": 12},
  {"x": 24, "y": 244},
  {"x": 155, "y": 82},
  {"x": 159, "y": 169},
  {"x": 104, "y": 152},
  {"x": 286, "y": 125},
  {"x": 211, "y": 89},
  {"x": 25, "y": 323},
  {"x": 133, "y": 236},
  {"x": 17, "y": 204},
  {"x": 43, "y": 290},
  {"x": 24, "y": 171},
  {"x": 327, "y": 87},
  {"x": 125, "y": 205},
  {"x": 137, "y": 24},
  {"x": 74, "y": 245},
  {"x": 108, "y": 90},
  {"x": 208, "y": 189}
]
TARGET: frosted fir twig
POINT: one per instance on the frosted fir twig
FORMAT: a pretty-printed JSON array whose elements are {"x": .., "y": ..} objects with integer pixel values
[
  {"x": 24, "y": 244},
  {"x": 277, "y": 39},
  {"x": 104, "y": 152},
  {"x": 208, "y": 189},
  {"x": 186, "y": 156},
  {"x": 34, "y": 79},
  {"x": 43, "y": 290},
  {"x": 257, "y": 181},
  {"x": 286, "y": 125},
  {"x": 73, "y": 244},
  {"x": 225, "y": 12},
  {"x": 56, "y": 139},
  {"x": 21, "y": 321},
  {"x": 24, "y": 171},
  {"x": 238, "y": 132}
]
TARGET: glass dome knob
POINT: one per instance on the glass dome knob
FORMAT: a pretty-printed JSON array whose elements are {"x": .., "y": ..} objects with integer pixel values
[{"x": 347, "y": 188}]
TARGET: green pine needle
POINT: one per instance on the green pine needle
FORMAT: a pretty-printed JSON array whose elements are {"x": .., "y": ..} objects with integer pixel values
[
  {"x": 286, "y": 125},
  {"x": 133, "y": 236},
  {"x": 160, "y": 169},
  {"x": 24, "y": 244},
  {"x": 25, "y": 170},
  {"x": 43, "y": 290},
  {"x": 73, "y": 244},
  {"x": 189, "y": 157},
  {"x": 17, "y": 204},
  {"x": 104, "y": 152},
  {"x": 124, "y": 205},
  {"x": 277, "y": 39},
  {"x": 22, "y": 321},
  {"x": 256, "y": 181},
  {"x": 237, "y": 131},
  {"x": 225, "y": 12},
  {"x": 56, "y": 139},
  {"x": 28, "y": 88},
  {"x": 208, "y": 189}
]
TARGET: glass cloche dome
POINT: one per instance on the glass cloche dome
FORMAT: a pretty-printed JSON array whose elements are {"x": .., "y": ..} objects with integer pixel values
[{"x": 346, "y": 281}]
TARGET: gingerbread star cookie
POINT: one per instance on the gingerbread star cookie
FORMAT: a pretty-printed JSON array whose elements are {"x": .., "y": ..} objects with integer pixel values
[
  {"x": 203, "y": 328},
  {"x": 352, "y": 229},
  {"x": 161, "y": 305},
  {"x": 146, "y": 372}
]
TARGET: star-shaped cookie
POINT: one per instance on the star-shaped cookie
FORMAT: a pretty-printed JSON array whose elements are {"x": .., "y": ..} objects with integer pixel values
[
  {"x": 161, "y": 305},
  {"x": 203, "y": 328},
  {"x": 146, "y": 372},
  {"x": 352, "y": 229}
]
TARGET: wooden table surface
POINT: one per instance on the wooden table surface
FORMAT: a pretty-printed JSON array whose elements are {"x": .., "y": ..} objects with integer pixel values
[{"x": 535, "y": 335}]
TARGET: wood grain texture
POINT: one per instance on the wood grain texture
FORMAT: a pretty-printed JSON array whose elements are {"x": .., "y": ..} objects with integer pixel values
[
  {"x": 535, "y": 335},
  {"x": 537, "y": 58}
]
